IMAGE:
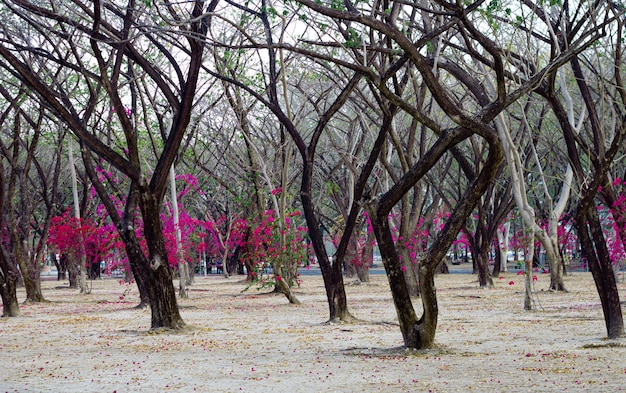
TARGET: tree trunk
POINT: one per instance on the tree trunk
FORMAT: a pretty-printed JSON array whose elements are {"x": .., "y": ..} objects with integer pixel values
[
  {"x": 481, "y": 259},
  {"x": 8, "y": 291},
  {"x": 528, "y": 272},
  {"x": 593, "y": 246},
  {"x": 588, "y": 226},
  {"x": 415, "y": 333},
  {"x": 357, "y": 258},
  {"x": 363, "y": 273},
  {"x": 233, "y": 261},
  {"x": 479, "y": 244},
  {"x": 158, "y": 274},
  {"x": 482, "y": 264},
  {"x": 73, "y": 271},
  {"x": 503, "y": 247},
  {"x": 617, "y": 206},
  {"x": 82, "y": 257},
  {"x": 497, "y": 262},
  {"x": 162, "y": 296},
  {"x": 191, "y": 272},
  {"x": 556, "y": 269},
  {"x": 285, "y": 279},
  {"x": 420, "y": 333},
  {"x": 335, "y": 292},
  {"x": 137, "y": 261},
  {"x": 410, "y": 271},
  {"x": 8, "y": 285},
  {"x": 331, "y": 272},
  {"x": 182, "y": 264},
  {"x": 251, "y": 275},
  {"x": 61, "y": 265},
  {"x": 30, "y": 275},
  {"x": 349, "y": 270},
  {"x": 529, "y": 256},
  {"x": 367, "y": 258},
  {"x": 283, "y": 287}
]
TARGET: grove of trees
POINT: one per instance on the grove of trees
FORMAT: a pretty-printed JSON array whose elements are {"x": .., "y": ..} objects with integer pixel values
[{"x": 264, "y": 136}]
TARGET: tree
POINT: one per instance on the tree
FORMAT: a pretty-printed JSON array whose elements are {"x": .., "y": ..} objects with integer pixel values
[
  {"x": 82, "y": 239},
  {"x": 106, "y": 31},
  {"x": 493, "y": 210},
  {"x": 306, "y": 141},
  {"x": 9, "y": 273},
  {"x": 591, "y": 153},
  {"x": 31, "y": 190},
  {"x": 462, "y": 121}
]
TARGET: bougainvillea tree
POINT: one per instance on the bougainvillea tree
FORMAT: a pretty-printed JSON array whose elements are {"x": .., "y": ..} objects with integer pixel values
[
  {"x": 277, "y": 248},
  {"x": 75, "y": 237}
]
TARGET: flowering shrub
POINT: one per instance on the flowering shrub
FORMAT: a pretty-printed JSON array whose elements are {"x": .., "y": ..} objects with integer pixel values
[
  {"x": 274, "y": 246},
  {"x": 77, "y": 236},
  {"x": 268, "y": 244}
]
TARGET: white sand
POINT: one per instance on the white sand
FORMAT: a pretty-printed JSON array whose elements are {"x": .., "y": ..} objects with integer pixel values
[{"x": 253, "y": 342}]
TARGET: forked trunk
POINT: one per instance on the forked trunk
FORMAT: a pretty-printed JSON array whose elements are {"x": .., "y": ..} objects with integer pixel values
[
  {"x": 336, "y": 295},
  {"x": 427, "y": 325},
  {"x": 420, "y": 334},
  {"x": 157, "y": 274},
  {"x": 415, "y": 333},
  {"x": 331, "y": 272},
  {"x": 31, "y": 277}
]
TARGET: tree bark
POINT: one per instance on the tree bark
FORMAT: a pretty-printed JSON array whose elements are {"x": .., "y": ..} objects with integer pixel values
[
  {"x": 182, "y": 264},
  {"x": 9, "y": 274},
  {"x": 593, "y": 246},
  {"x": 30, "y": 275},
  {"x": 8, "y": 291},
  {"x": 482, "y": 264},
  {"x": 73, "y": 271},
  {"x": 82, "y": 257},
  {"x": 8, "y": 284},
  {"x": 497, "y": 262},
  {"x": 556, "y": 267},
  {"x": 156, "y": 272},
  {"x": 410, "y": 270}
]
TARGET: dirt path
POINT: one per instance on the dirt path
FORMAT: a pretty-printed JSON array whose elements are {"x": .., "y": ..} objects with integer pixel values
[{"x": 251, "y": 342}]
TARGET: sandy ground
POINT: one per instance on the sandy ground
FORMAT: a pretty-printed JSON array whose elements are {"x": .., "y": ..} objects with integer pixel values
[{"x": 252, "y": 342}]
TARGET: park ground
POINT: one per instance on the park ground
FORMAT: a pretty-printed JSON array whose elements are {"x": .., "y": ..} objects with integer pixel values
[{"x": 254, "y": 342}]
